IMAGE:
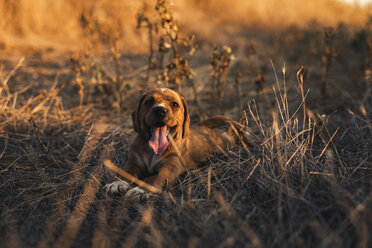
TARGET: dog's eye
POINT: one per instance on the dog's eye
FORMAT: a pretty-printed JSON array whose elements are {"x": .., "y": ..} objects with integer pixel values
[
  {"x": 149, "y": 102},
  {"x": 174, "y": 104}
]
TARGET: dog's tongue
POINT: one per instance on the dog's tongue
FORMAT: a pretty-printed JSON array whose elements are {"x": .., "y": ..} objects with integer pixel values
[{"x": 158, "y": 141}]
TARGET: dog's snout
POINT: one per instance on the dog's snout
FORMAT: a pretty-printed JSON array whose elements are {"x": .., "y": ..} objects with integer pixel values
[{"x": 160, "y": 111}]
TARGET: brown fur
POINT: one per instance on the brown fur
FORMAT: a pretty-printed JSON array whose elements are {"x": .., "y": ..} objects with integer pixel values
[{"x": 187, "y": 147}]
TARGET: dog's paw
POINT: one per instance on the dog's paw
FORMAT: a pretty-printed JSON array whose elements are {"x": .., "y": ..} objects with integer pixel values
[
  {"x": 116, "y": 187},
  {"x": 137, "y": 193}
]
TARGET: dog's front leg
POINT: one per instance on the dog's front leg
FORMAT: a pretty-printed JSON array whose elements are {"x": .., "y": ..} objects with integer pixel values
[
  {"x": 168, "y": 173},
  {"x": 123, "y": 186}
]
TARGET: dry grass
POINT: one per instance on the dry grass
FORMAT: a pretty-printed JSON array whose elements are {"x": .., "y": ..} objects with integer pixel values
[
  {"x": 307, "y": 183},
  {"x": 66, "y": 24}
]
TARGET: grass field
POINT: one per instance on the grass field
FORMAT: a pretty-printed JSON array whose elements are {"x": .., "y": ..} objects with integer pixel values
[{"x": 298, "y": 74}]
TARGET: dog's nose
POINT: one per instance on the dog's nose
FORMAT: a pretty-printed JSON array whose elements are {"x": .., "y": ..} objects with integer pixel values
[{"x": 160, "y": 111}]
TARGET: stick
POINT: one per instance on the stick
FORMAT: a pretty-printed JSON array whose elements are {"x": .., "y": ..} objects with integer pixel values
[{"x": 131, "y": 178}]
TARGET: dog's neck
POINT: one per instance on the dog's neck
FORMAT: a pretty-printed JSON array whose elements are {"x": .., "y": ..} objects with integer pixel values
[{"x": 154, "y": 161}]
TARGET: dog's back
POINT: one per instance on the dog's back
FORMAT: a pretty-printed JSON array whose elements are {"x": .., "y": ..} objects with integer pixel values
[{"x": 209, "y": 137}]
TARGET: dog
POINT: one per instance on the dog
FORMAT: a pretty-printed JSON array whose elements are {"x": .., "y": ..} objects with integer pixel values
[{"x": 165, "y": 146}]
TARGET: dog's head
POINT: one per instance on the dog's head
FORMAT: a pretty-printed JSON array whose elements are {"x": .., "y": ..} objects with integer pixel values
[{"x": 161, "y": 114}]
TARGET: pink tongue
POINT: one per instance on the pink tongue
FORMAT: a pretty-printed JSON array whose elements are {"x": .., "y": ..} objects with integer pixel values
[{"x": 159, "y": 141}]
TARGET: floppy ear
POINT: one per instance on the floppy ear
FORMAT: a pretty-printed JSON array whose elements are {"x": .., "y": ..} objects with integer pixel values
[
  {"x": 136, "y": 115},
  {"x": 186, "y": 119}
]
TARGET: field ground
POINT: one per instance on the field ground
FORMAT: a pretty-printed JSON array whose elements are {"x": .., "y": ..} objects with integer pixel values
[{"x": 307, "y": 183}]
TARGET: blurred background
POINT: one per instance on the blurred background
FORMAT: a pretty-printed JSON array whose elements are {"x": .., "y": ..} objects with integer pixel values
[
  {"x": 64, "y": 24},
  {"x": 362, "y": 2}
]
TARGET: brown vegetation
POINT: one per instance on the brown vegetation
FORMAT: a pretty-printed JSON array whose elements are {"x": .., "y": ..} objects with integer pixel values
[
  {"x": 68, "y": 86},
  {"x": 66, "y": 24}
]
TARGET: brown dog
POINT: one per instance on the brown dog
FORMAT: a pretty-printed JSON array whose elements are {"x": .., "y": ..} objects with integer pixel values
[{"x": 165, "y": 146}]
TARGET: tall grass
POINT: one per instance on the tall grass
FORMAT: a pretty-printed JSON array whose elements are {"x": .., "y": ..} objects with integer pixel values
[{"x": 307, "y": 183}]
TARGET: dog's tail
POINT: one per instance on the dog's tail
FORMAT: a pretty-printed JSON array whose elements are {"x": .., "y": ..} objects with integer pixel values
[{"x": 241, "y": 132}]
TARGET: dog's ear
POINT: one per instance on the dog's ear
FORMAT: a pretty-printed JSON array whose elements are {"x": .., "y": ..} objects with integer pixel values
[
  {"x": 186, "y": 119},
  {"x": 136, "y": 115}
]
